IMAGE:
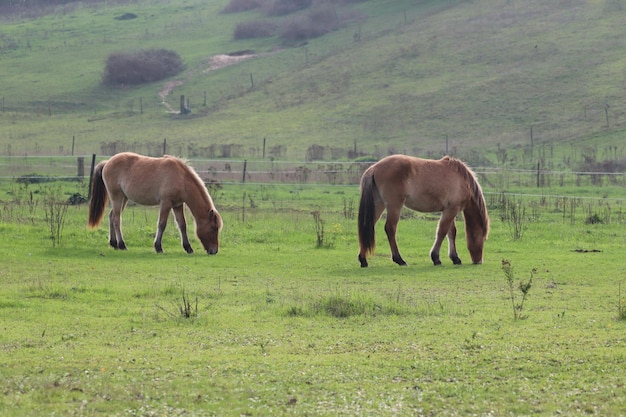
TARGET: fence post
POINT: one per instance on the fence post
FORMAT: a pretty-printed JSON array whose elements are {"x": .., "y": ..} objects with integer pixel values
[
  {"x": 81, "y": 167},
  {"x": 245, "y": 166}
]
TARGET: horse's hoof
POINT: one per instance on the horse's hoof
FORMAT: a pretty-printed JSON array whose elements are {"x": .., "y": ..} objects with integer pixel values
[
  {"x": 188, "y": 249},
  {"x": 398, "y": 259},
  {"x": 456, "y": 261},
  {"x": 363, "y": 261},
  {"x": 437, "y": 262}
]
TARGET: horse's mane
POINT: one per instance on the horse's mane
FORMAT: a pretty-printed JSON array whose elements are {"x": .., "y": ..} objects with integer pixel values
[
  {"x": 478, "y": 199},
  {"x": 194, "y": 176}
]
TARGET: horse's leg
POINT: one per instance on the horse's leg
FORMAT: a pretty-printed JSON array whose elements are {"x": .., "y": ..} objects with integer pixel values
[
  {"x": 443, "y": 228},
  {"x": 391, "y": 226},
  {"x": 452, "y": 244},
  {"x": 112, "y": 236},
  {"x": 116, "y": 239},
  {"x": 164, "y": 213},
  {"x": 179, "y": 215}
]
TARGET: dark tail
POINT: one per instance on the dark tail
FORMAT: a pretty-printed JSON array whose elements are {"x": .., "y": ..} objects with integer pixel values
[
  {"x": 99, "y": 197},
  {"x": 367, "y": 214}
]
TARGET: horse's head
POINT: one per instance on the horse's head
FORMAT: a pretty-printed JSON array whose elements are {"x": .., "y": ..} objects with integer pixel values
[
  {"x": 475, "y": 246},
  {"x": 476, "y": 231},
  {"x": 208, "y": 231}
]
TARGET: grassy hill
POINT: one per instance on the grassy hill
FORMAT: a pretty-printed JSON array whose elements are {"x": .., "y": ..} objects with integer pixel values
[{"x": 492, "y": 81}]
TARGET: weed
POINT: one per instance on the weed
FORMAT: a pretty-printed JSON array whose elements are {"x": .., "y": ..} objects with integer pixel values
[
  {"x": 621, "y": 304},
  {"x": 523, "y": 287},
  {"x": 348, "y": 208},
  {"x": 319, "y": 227},
  {"x": 184, "y": 306},
  {"x": 186, "y": 309},
  {"x": 324, "y": 240},
  {"x": 514, "y": 214},
  {"x": 56, "y": 211}
]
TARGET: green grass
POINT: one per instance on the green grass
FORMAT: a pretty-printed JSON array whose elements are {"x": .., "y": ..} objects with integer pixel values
[
  {"x": 284, "y": 328},
  {"x": 479, "y": 73}
]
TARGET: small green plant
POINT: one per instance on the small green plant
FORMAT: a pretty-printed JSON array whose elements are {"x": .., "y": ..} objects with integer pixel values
[
  {"x": 523, "y": 287},
  {"x": 185, "y": 307}
]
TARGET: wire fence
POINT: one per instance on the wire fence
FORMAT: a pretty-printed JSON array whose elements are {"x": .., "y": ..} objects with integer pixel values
[{"x": 34, "y": 169}]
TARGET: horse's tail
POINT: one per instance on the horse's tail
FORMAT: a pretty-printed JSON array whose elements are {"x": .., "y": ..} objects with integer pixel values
[
  {"x": 99, "y": 196},
  {"x": 367, "y": 216}
]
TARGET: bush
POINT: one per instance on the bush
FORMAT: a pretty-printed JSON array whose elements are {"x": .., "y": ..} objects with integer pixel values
[
  {"x": 315, "y": 23},
  {"x": 141, "y": 67},
  {"x": 254, "y": 29}
]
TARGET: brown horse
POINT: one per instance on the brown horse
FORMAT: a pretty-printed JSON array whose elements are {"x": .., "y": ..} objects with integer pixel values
[
  {"x": 446, "y": 185},
  {"x": 167, "y": 182}
]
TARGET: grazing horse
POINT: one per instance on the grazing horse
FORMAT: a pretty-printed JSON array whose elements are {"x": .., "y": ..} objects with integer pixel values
[
  {"x": 446, "y": 185},
  {"x": 167, "y": 182}
]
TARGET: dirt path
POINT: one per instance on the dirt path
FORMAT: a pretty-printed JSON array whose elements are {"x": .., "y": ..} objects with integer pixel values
[{"x": 215, "y": 62}]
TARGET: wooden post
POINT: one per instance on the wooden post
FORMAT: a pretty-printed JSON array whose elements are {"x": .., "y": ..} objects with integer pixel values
[
  {"x": 164, "y": 146},
  {"x": 245, "y": 166},
  {"x": 532, "y": 140},
  {"x": 251, "y": 81},
  {"x": 81, "y": 167},
  {"x": 182, "y": 104},
  {"x": 263, "y": 148},
  {"x": 538, "y": 175},
  {"x": 73, "y": 140}
]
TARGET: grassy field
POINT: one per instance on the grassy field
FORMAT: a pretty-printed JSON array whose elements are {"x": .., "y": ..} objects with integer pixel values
[
  {"x": 274, "y": 325},
  {"x": 429, "y": 77},
  {"x": 283, "y": 321}
]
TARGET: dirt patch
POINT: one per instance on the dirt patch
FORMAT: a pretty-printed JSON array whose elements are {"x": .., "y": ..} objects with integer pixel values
[{"x": 220, "y": 61}]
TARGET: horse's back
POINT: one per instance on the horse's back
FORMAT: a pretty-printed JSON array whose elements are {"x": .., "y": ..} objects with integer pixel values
[
  {"x": 425, "y": 185},
  {"x": 145, "y": 180}
]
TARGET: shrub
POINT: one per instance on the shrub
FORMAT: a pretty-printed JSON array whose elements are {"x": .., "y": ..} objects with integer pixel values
[
  {"x": 141, "y": 67},
  {"x": 315, "y": 23},
  {"x": 254, "y": 29}
]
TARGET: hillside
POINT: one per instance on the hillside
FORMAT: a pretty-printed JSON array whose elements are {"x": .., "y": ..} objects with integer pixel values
[{"x": 472, "y": 79}]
